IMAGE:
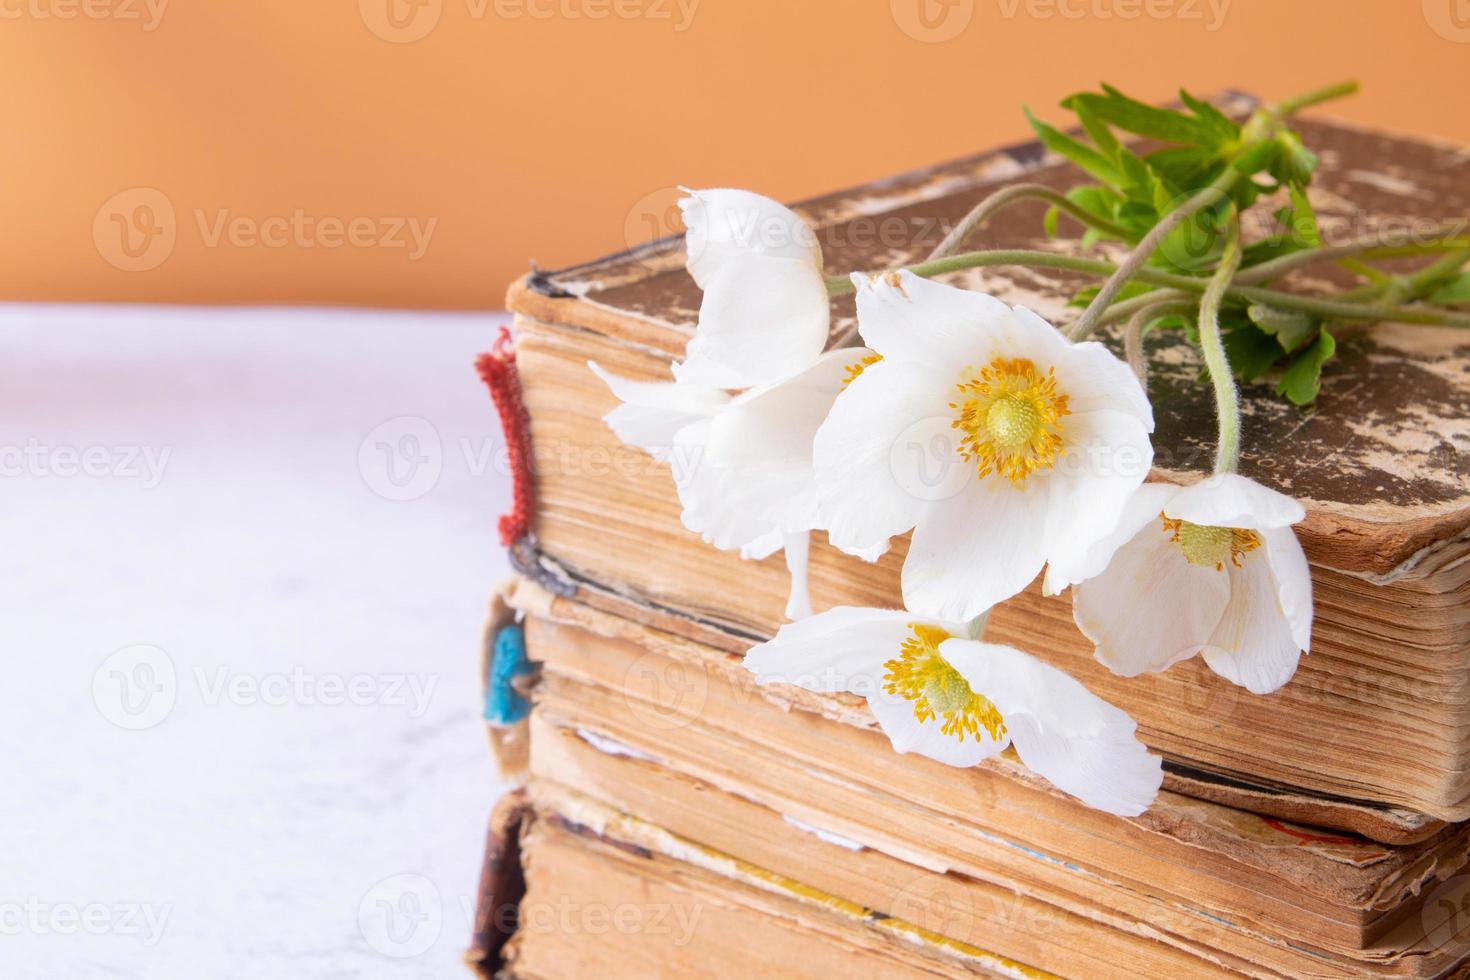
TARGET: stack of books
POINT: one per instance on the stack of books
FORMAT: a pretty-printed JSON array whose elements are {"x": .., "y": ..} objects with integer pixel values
[{"x": 678, "y": 819}]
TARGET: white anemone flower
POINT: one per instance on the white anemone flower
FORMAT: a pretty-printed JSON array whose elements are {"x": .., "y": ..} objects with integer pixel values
[
  {"x": 959, "y": 700},
  {"x": 743, "y": 465},
  {"x": 1212, "y": 569},
  {"x": 765, "y": 312},
  {"x": 1000, "y": 443}
]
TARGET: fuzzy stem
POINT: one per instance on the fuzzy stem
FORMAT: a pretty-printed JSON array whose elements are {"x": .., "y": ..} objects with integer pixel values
[
  {"x": 1138, "y": 325},
  {"x": 1335, "y": 309},
  {"x": 1260, "y": 129},
  {"x": 1218, "y": 189},
  {"x": 1010, "y": 195},
  {"x": 1227, "y": 399},
  {"x": 1277, "y": 267}
]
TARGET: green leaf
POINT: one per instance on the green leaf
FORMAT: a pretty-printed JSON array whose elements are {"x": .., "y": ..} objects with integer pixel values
[
  {"x": 1303, "y": 223},
  {"x": 1219, "y": 125},
  {"x": 1185, "y": 166},
  {"x": 1142, "y": 119},
  {"x": 1095, "y": 128},
  {"x": 1049, "y": 223},
  {"x": 1096, "y": 200},
  {"x": 1457, "y": 290},
  {"x": 1079, "y": 153},
  {"x": 1257, "y": 157},
  {"x": 1303, "y": 378},
  {"x": 1251, "y": 353},
  {"x": 1140, "y": 181},
  {"x": 1294, "y": 163},
  {"x": 1291, "y": 329}
]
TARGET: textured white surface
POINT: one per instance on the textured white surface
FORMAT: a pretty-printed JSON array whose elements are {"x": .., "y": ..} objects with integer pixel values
[{"x": 261, "y": 828}]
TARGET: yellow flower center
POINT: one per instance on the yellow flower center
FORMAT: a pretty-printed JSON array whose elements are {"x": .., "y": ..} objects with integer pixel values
[
  {"x": 1009, "y": 414},
  {"x": 1208, "y": 546},
  {"x": 855, "y": 369},
  {"x": 919, "y": 674}
]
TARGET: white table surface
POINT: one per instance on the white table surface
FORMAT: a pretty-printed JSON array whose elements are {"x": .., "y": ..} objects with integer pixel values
[{"x": 203, "y": 493}]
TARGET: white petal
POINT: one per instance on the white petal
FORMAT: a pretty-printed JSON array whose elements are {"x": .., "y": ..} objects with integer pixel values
[
  {"x": 776, "y": 423},
  {"x": 799, "y": 601},
  {"x": 1093, "y": 379},
  {"x": 725, "y": 511},
  {"x": 762, "y": 319},
  {"x": 874, "y": 456},
  {"x": 653, "y": 412},
  {"x": 763, "y": 547},
  {"x": 1062, "y": 731},
  {"x": 1151, "y": 608},
  {"x": 905, "y": 317},
  {"x": 1106, "y": 458},
  {"x": 1293, "y": 581},
  {"x": 1231, "y": 500},
  {"x": 908, "y": 734},
  {"x": 727, "y": 225},
  {"x": 755, "y": 470},
  {"x": 1253, "y": 645},
  {"x": 976, "y": 549},
  {"x": 842, "y": 649},
  {"x": 1142, "y": 509}
]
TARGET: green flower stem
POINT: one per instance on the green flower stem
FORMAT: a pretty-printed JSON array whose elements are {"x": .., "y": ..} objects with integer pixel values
[
  {"x": 1132, "y": 266},
  {"x": 1371, "y": 246},
  {"x": 1261, "y": 128},
  {"x": 1253, "y": 294},
  {"x": 1227, "y": 399},
  {"x": 1433, "y": 274},
  {"x": 1138, "y": 326},
  {"x": 1119, "y": 312},
  {"x": 1297, "y": 103},
  {"x": 982, "y": 212}
]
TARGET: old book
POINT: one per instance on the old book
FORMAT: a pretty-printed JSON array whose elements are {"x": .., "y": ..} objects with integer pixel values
[
  {"x": 675, "y": 732},
  {"x": 1373, "y": 734},
  {"x": 683, "y": 909}
]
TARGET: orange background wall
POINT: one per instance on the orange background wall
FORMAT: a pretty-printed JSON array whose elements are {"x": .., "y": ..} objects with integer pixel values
[{"x": 524, "y": 132}]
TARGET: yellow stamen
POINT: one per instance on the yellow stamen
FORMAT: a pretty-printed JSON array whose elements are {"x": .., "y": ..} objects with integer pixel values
[
  {"x": 919, "y": 674},
  {"x": 1209, "y": 546},
  {"x": 1010, "y": 419},
  {"x": 857, "y": 368}
]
